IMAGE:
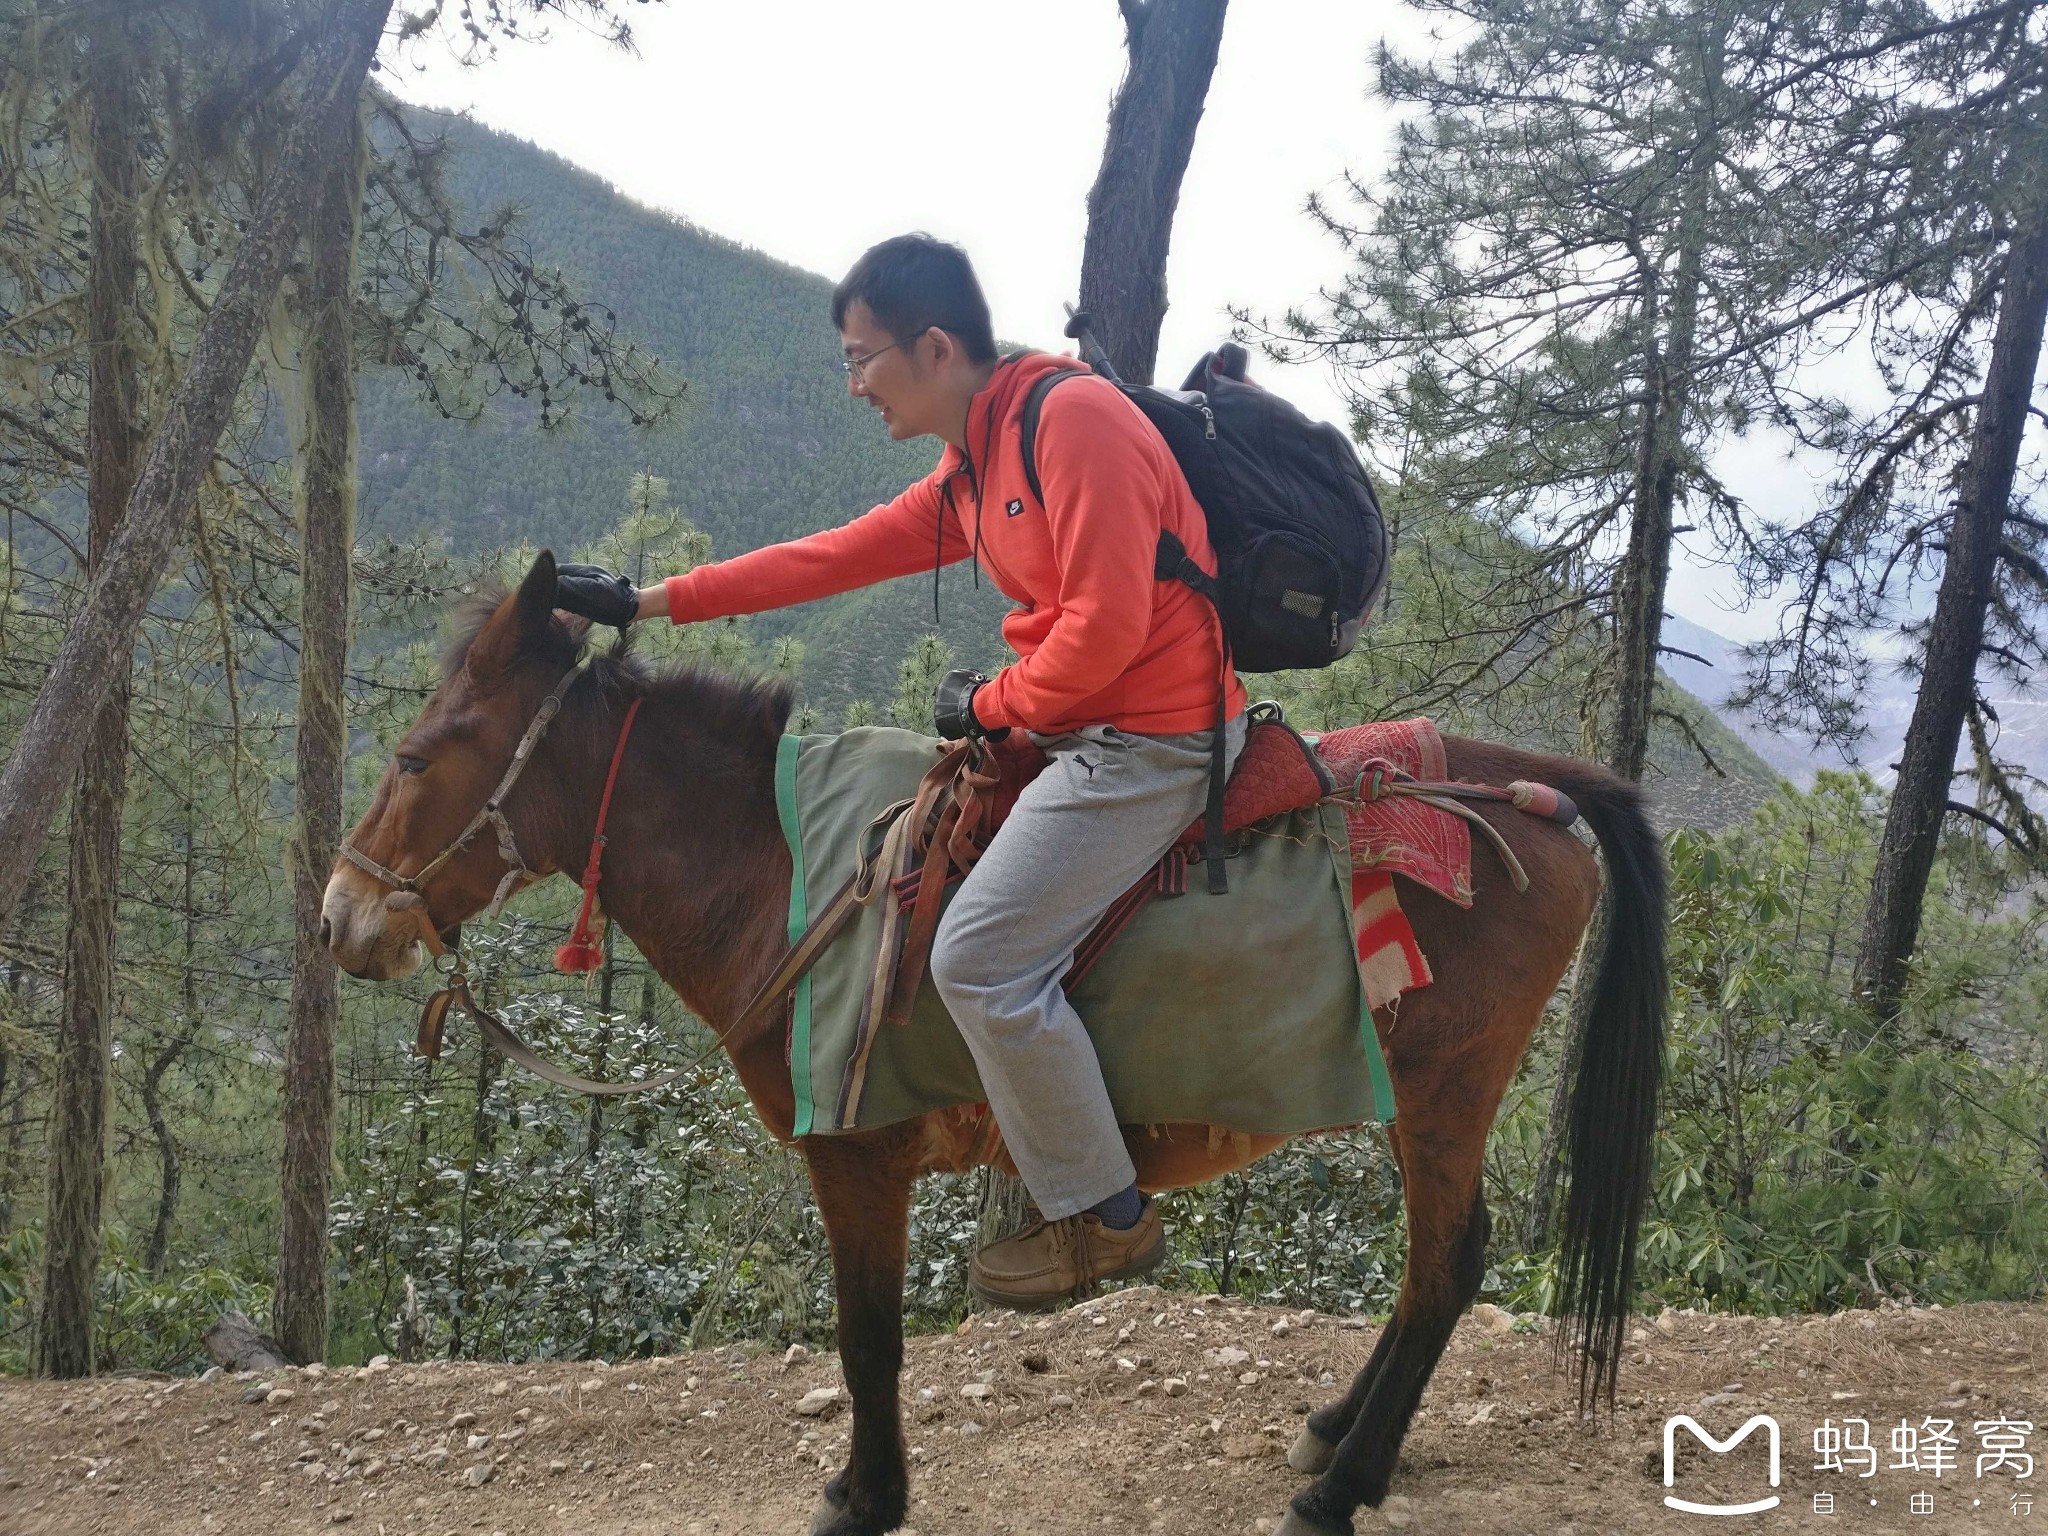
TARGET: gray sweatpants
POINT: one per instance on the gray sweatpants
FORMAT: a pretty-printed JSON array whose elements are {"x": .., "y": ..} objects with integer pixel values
[{"x": 1105, "y": 808}]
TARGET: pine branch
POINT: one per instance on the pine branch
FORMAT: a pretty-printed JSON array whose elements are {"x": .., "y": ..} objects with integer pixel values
[
  {"x": 1685, "y": 728},
  {"x": 1993, "y": 822}
]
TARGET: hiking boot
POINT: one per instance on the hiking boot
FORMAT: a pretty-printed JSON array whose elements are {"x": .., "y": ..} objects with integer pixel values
[{"x": 1051, "y": 1261}]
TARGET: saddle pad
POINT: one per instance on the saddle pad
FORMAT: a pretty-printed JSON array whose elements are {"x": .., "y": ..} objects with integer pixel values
[{"x": 1243, "y": 1011}]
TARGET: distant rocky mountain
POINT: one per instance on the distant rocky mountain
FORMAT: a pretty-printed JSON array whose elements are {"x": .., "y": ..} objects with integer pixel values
[{"x": 1887, "y": 709}]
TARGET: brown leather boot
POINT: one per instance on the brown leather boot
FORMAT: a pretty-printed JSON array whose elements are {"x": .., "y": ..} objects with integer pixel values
[{"x": 1051, "y": 1261}]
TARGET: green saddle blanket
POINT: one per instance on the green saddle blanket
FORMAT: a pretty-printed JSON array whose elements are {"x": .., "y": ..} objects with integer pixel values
[{"x": 1242, "y": 1011}]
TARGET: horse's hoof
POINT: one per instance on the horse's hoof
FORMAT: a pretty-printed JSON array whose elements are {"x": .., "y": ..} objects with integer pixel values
[
  {"x": 1311, "y": 1454},
  {"x": 1294, "y": 1525},
  {"x": 827, "y": 1515}
]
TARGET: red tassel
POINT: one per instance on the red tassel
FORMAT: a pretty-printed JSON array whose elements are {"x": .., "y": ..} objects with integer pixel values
[
  {"x": 579, "y": 954},
  {"x": 585, "y": 949}
]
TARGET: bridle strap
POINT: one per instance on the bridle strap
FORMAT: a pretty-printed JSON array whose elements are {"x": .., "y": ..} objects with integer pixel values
[{"x": 492, "y": 811}]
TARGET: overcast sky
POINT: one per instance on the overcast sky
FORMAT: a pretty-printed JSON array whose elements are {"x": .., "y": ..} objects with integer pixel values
[{"x": 811, "y": 129}]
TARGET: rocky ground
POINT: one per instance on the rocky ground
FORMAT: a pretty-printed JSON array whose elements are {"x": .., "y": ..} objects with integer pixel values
[{"x": 1145, "y": 1411}]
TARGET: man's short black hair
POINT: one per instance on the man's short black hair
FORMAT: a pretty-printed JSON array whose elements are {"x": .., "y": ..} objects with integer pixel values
[{"x": 910, "y": 283}]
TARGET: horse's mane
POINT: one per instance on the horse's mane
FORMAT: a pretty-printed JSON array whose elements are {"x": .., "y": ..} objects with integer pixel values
[{"x": 619, "y": 673}]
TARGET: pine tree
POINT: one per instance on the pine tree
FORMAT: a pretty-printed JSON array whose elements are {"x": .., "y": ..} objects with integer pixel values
[
  {"x": 1595, "y": 253},
  {"x": 92, "y": 659}
]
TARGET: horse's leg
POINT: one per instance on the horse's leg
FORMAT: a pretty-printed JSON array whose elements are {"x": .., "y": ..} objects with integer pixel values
[
  {"x": 1317, "y": 1442},
  {"x": 1321, "y": 1432},
  {"x": 1316, "y": 1446},
  {"x": 1393, "y": 1358},
  {"x": 1448, "y": 1226},
  {"x": 862, "y": 1184},
  {"x": 1451, "y": 1056}
]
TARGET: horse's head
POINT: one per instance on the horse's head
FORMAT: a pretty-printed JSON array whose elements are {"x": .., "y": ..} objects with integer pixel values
[{"x": 447, "y": 764}]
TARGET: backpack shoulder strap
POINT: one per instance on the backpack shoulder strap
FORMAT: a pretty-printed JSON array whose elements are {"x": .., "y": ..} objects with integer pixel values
[{"x": 1034, "y": 402}]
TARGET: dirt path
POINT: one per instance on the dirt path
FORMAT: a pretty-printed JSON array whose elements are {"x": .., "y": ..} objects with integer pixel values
[{"x": 1144, "y": 1412}]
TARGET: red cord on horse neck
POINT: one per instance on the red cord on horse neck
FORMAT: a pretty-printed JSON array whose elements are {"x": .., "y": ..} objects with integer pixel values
[{"x": 583, "y": 952}]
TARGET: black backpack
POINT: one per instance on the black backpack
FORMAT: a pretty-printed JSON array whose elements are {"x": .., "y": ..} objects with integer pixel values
[{"x": 1301, "y": 548}]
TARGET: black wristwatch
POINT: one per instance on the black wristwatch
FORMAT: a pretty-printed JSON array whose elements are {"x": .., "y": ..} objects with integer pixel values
[{"x": 953, "y": 708}]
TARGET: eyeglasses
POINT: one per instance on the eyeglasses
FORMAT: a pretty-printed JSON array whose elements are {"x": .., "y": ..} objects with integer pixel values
[{"x": 857, "y": 367}]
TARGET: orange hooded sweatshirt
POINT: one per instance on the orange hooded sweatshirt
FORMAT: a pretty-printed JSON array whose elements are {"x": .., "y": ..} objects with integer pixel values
[{"x": 1099, "y": 640}]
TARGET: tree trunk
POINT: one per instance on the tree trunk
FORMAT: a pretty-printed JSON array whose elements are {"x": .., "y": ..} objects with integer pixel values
[
  {"x": 480, "y": 1141},
  {"x": 97, "y": 645},
  {"x": 1948, "y": 676},
  {"x": 1535, "y": 1233},
  {"x": 1172, "y": 46},
  {"x": 17, "y": 1135},
  {"x": 170, "y": 1167},
  {"x": 327, "y": 513},
  {"x": 1646, "y": 568},
  {"x": 1004, "y": 1204},
  {"x": 22, "y": 994},
  {"x": 85, "y": 1027}
]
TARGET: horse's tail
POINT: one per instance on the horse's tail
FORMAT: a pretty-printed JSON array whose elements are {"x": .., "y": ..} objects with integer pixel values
[{"x": 1620, "y": 1063}]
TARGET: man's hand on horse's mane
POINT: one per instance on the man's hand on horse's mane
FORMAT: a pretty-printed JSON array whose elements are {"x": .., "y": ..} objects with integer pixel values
[{"x": 602, "y": 596}]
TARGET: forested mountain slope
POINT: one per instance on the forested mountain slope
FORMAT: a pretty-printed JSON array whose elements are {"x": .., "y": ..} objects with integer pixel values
[{"x": 770, "y": 444}]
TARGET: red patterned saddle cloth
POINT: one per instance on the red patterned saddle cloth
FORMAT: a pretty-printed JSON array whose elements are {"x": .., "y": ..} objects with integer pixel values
[{"x": 1395, "y": 835}]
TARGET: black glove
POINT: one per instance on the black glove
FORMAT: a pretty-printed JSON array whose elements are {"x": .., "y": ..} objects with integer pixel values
[
  {"x": 953, "y": 708},
  {"x": 597, "y": 594}
]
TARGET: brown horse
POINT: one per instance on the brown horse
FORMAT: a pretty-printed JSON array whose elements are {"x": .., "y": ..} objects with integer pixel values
[{"x": 697, "y": 874}]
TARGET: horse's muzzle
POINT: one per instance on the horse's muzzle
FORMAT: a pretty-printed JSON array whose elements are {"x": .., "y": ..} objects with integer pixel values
[{"x": 366, "y": 939}]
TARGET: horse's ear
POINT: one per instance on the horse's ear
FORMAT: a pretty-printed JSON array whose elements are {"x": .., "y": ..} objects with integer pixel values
[{"x": 520, "y": 622}]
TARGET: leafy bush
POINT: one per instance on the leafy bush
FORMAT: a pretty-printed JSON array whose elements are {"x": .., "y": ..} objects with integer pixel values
[
  {"x": 1805, "y": 1161},
  {"x": 141, "y": 1322}
]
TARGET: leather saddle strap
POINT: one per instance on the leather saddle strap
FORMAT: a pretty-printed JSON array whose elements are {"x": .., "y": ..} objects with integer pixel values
[
  {"x": 974, "y": 791},
  {"x": 955, "y": 785},
  {"x": 797, "y": 959},
  {"x": 923, "y": 925},
  {"x": 1381, "y": 779},
  {"x": 883, "y": 876}
]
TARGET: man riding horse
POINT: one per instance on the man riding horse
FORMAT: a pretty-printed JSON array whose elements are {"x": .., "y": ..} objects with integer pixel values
[{"x": 1116, "y": 680}]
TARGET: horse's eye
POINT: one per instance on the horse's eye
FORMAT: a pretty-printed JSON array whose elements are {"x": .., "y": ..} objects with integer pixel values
[{"x": 411, "y": 764}]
